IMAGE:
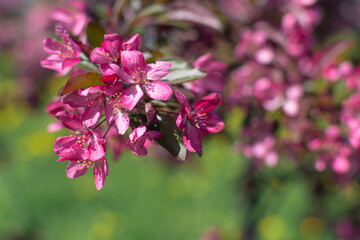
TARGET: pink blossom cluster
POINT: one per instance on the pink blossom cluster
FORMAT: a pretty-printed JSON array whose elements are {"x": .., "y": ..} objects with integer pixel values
[
  {"x": 126, "y": 98},
  {"x": 286, "y": 85}
]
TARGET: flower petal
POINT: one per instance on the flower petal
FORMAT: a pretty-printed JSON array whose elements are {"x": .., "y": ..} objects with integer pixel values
[
  {"x": 158, "y": 70},
  {"x": 74, "y": 169},
  {"x": 62, "y": 143},
  {"x": 122, "y": 122},
  {"x": 93, "y": 113},
  {"x": 98, "y": 56},
  {"x": 192, "y": 138},
  {"x": 158, "y": 90},
  {"x": 181, "y": 120},
  {"x": 131, "y": 96},
  {"x": 211, "y": 124},
  {"x": 208, "y": 103},
  {"x": 70, "y": 120},
  {"x": 99, "y": 174},
  {"x": 96, "y": 147},
  {"x": 75, "y": 100},
  {"x": 184, "y": 102},
  {"x": 132, "y": 62},
  {"x": 131, "y": 44},
  {"x": 51, "y": 46},
  {"x": 153, "y": 134}
]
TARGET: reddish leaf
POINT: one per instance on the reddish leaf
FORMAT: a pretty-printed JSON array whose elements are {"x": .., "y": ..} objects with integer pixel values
[{"x": 81, "y": 81}]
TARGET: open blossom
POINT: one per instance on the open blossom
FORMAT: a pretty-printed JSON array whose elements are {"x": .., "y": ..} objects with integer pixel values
[
  {"x": 198, "y": 120},
  {"x": 63, "y": 57},
  {"x": 109, "y": 54},
  {"x": 138, "y": 137},
  {"x": 148, "y": 76},
  {"x": 84, "y": 144},
  {"x": 78, "y": 168},
  {"x": 111, "y": 48}
]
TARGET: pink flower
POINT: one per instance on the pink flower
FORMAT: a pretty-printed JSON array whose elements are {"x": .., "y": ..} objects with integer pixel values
[
  {"x": 136, "y": 72},
  {"x": 74, "y": 19},
  {"x": 198, "y": 120},
  {"x": 109, "y": 55},
  {"x": 78, "y": 168},
  {"x": 63, "y": 57},
  {"x": 111, "y": 48},
  {"x": 138, "y": 137},
  {"x": 84, "y": 144}
]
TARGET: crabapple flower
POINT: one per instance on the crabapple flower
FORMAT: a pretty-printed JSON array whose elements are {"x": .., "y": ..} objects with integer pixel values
[
  {"x": 63, "y": 57},
  {"x": 148, "y": 76},
  {"x": 109, "y": 54},
  {"x": 84, "y": 144},
  {"x": 78, "y": 168},
  {"x": 198, "y": 120},
  {"x": 111, "y": 48},
  {"x": 138, "y": 137}
]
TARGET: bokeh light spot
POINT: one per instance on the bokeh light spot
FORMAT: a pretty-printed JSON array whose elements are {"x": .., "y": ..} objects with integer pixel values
[{"x": 271, "y": 227}]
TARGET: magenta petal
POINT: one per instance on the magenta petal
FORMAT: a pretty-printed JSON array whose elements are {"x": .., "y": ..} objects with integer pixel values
[
  {"x": 74, "y": 169},
  {"x": 192, "y": 138},
  {"x": 153, "y": 134},
  {"x": 109, "y": 112},
  {"x": 53, "y": 62},
  {"x": 137, "y": 133},
  {"x": 74, "y": 153},
  {"x": 99, "y": 174},
  {"x": 158, "y": 90},
  {"x": 106, "y": 166},
  {"x": 75, "y": 100},
  {"x": 132, "y": 62},
  {"x": 212, "y": 124},
  {"x": 208, "y": 103},
  {"x": 92, "y": 113},
  {"x": 184, "y": 102},
  {"x": 113, "y": 89},
  {"x": 131, "y": 96},
  {"x": 112, "y": 44},
  {"x": 181, "y": 120},
  {"x": 51, "y": 46},
  {"x": 70, "y": 62},
  {"x": 158, "y": 70},
  {"x": 131, "y": 44},
  {"x": 98, "y": 56},
  {"x": 96, "y": 147},
  {"x": 62, "y": 143},
  {"x": 122, "y": 122},
  {"x": 70, "y": 120}
]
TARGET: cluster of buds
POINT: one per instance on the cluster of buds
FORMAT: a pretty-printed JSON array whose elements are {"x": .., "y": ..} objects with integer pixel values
[{"x": 100, "y": 107}]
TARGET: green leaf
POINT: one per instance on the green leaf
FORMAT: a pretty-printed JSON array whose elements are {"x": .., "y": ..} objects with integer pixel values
[
  {"x": 171, "y": 139},
  {"x": 95, "y": 34},
  {"x": 340, "y": 92},
  {"x": 177, "y": 63},
  {"x": 81, "y": 81},
  {"x": 184, "y": 75}
]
